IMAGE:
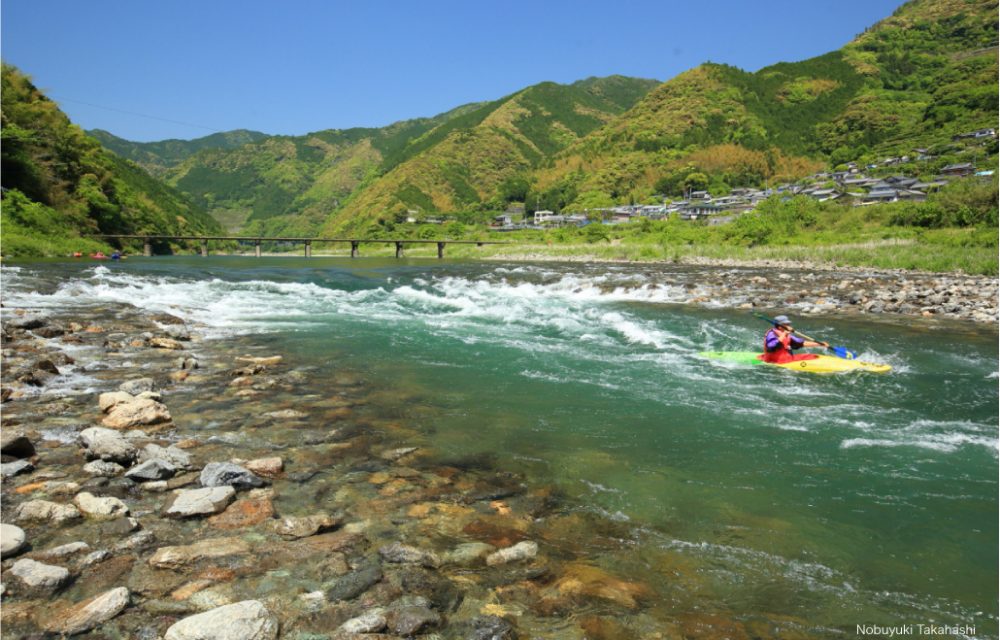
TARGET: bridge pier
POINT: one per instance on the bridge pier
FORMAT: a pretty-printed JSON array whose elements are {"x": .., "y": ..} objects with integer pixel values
[
  {"x": 399, "y": 249},
  {"x": 256, "y": 247},
  {"x": 204, "y": 248},
  {"x": 147, "y": 247},
  {"x": 354, "y": 248},
  {"x": 440, "y": 250},
  {"x": 309, "y": 248}
]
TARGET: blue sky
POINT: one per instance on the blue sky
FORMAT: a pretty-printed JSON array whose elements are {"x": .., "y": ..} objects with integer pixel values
[{"x": 155, "y": 69}]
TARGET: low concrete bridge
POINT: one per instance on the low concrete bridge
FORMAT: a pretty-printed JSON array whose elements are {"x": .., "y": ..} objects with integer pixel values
[{"x": 147, "y": 242}]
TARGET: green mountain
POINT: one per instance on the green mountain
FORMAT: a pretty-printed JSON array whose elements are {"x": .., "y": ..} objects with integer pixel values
[
  {"x": 482, "y": 159},
  {"x": 157, "y": 157},
  {"x": 289, "y": 185},
  {"x": 60, "y": 184},
  {"x": 912, "y": 81}
]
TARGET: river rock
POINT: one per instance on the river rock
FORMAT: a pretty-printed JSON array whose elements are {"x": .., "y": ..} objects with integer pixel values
[
  {"x": 62, "y": 551},
  {"x": 468, "y": 553},
  {"x": 36, "y": 575},
  {"x": 179, "y": 556},
  {"x": 218, "y": 474},
  {"x": 292, "y": 528},
  {"x": 395, "y": 454},
  {"x": 173, "y": 454},
  {"x": 266, "y": 467},
  {"x": 369, "y": 622},
  {"x": 16, "y": 468},
  {"x": 401, "y": 553},
  {"x": 247, "y": 620},
  {"x": 108, "y": 445},
  {"x": 200, "y": 502},
  {"x": 521, "y": 551},
  {"x": 409, "y": 620},
  {"x": 89, "y": 614},
  {"x": 151, "y": 470},
  {"x": 491, "y": 628},
  {"x": 111, "y": 399},
  {"x": 247, "y": 512},
  {"x": 137, "y": 386},
  {"x": 355, "y": 583},
  {"x": 45, "y": 511},
  {"x": 12, "y": 540},
  {"x": 100, "y": 508},
  {"x": 139, "y": 412},
  {"x": 15, "y": 443},
  {"x": 267, "y": 361},
  {"x": 165, "y": 343},
  {"x": 103, "y": 469}
]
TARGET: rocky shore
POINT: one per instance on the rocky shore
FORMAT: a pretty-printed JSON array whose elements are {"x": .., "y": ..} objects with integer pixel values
[
  {"x": 820, "y": 289},
  {"x": 208, "y": 489}
]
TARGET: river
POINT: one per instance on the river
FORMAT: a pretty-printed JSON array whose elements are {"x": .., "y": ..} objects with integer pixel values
[{"x": 838, "y": 500}]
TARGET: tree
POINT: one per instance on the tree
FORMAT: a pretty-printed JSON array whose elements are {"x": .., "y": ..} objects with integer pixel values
[{"x": 696, "y": 181}]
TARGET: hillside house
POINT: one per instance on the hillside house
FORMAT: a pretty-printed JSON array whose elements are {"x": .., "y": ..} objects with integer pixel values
[{"x": 959, "y": 170}]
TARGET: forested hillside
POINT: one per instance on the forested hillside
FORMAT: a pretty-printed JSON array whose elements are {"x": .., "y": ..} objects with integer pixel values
[
  {"x": 60, "y": 184},
  {"x": 911, "y": 81},
  {"x": 157, "y": 157}
]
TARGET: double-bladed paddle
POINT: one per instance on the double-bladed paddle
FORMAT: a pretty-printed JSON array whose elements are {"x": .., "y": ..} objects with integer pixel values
[{"x": 840, "y": 352}]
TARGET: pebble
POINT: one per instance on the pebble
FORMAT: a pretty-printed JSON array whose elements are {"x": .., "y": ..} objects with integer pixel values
[
  {"x": 103, "y": 469},
  {"x": 100, "y": 508},
  {"x": 36, "y": 575},
  {"x": 45, "y": 511},
  {"x": 401, "y": 553},
  {"x": 218, "y": 474},
  {"x": 524, "y": 550},
  {"x": 62, "y": 551},
  {"x": 200, "y": 502},
  {"x": 150, "y": 470},
  {"x": 179, "y": 556},
  {"x": 11, "y": 469},
  {"x": 90, "y": 613},
  {"x": 369, "y": 622},
  {"x": 173, "y": 454},
  {"x": 12, "y": 540},
  {"x": 292, "y": 528},
  {"x": 108, "y": 445}
]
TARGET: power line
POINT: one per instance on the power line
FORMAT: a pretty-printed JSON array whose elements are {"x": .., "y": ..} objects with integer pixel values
[{"x": 141, "y": 115}]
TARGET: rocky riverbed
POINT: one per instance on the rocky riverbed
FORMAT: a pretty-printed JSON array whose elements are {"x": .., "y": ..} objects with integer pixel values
[{"x": 156, "y": 485}]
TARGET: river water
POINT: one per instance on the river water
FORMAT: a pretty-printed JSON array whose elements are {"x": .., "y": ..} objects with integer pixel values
[{"x": 838, "y": 500}]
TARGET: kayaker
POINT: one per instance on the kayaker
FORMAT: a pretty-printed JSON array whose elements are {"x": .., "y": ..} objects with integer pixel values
[{"x": 780, "y": 341}]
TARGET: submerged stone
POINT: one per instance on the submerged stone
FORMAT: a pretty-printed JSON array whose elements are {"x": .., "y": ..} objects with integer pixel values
[
  {"x": 355, "y": 583},
  {"x": 180, "y": 556},
  {"x": 89, "y": 614},
  {"x": 248, "y": 620}
]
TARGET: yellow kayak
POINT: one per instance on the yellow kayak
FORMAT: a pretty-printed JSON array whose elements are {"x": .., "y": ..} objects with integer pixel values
[{"x": 819, "y": 364}]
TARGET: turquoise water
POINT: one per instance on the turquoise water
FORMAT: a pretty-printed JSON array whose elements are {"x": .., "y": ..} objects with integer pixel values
[{"x": 839, "y": 500}]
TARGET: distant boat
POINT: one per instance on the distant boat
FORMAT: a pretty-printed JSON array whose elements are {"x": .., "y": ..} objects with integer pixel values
[
  {"x": 99, "y": 256},
  {"x": 116, "y": 256},
  {"x": 77, "y": 254}
]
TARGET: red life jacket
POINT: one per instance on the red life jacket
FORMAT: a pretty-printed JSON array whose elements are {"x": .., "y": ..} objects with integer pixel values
[{"x": 784, "y": 354}]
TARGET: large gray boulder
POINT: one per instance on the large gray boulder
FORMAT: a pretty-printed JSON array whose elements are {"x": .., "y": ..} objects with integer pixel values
[
  {"x": 108, "y": 445},
  {"x": 219, "y": 474},
  {"x": 247, "y": 620}
]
